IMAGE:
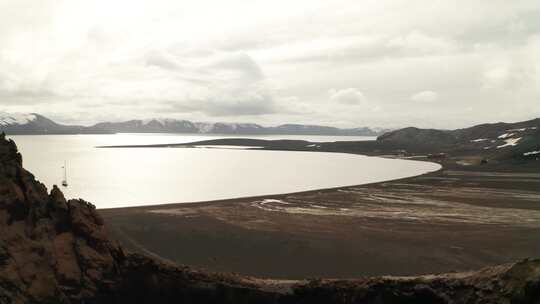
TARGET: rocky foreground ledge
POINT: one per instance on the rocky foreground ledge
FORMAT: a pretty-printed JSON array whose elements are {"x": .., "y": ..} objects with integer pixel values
[{"x": 58, "y": 251}]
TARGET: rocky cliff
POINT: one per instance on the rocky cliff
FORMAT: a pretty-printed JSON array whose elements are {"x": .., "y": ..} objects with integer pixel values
[{"x": 58, "y": 251}]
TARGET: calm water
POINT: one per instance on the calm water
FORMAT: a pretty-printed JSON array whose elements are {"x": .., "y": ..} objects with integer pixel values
[{"x": 144, "y": 176}]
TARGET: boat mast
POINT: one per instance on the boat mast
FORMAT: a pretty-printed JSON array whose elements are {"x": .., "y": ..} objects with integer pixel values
[{"x": 64, "y": 182}]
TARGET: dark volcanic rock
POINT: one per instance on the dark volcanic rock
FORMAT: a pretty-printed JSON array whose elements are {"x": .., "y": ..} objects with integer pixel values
[
  {"x": 500, "y": 141},
  {"x": 53, "y": 249},
  {"x": 420, "y": 137},
  {"x": 486, "y": 132},
  {"x": 58, "y": 251}
]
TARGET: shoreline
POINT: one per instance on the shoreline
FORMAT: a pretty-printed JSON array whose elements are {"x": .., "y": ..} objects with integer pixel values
[
  {"x": 437, "y": 222},
  {"x": 451, "y": 219},
  {"x": 277, "y": 195},
  {"x": 302, "y": 146},
  {"x": 271, "y": 147}
]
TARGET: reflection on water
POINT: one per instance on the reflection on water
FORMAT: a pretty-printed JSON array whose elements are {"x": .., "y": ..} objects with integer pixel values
[{"x": 141, "y": 176}]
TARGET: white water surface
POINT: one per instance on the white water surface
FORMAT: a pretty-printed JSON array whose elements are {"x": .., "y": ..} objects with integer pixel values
[{"x": 147, "y": 176}]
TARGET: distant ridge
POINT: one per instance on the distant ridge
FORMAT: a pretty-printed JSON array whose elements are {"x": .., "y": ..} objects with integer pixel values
[
  {"x": 32, "y": 123},
  {"x": 496, "y": 143},
  {"x": 186, "y": 126}
]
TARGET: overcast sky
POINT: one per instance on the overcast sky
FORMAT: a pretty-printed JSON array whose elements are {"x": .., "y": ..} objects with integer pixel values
[{"x": 430, "y": 63}]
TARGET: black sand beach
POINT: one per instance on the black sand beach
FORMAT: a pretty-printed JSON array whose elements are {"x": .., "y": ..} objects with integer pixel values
[{"x": 450, "y": 220}]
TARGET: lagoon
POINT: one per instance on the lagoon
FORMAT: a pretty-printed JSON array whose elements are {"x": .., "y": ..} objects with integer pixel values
[{"x": 111, "y": 178}]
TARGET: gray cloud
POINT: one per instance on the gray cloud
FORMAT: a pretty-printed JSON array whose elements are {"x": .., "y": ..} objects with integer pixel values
[
  {"x": 361, "y": 48},
  {"x": 238, "y": 62},
  {"x": 13, "y": 92},
  {"x": 306, "y": 61},
  {"x": 425, "y": 96},
  {"x": 161, "y": 60},
  {"x": 254, "y": 104},
  {"x": 350, "y": 96}
]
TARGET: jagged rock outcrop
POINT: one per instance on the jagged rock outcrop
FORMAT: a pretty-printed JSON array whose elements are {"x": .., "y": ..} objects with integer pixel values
[
  {"x": 58, "y": 251},
  {"x": 52, "y": 249}
]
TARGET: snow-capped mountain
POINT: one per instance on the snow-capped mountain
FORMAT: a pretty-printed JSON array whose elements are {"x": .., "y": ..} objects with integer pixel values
[
  {"x": 37, "y": 124},
  {"x": 32, "y": 123},
  {"x": 185, "y": 126},
  {"x": 7, "y": 119}
]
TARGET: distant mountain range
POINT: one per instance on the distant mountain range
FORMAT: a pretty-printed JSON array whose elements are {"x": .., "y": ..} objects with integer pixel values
[
  {"x": 30, "y": 124},
  {"x": 502, "y": 145},
  {"x": 38, "y": 124},
  {"x": 185, "y": 126},
  {"x": 501, "y": 139}
]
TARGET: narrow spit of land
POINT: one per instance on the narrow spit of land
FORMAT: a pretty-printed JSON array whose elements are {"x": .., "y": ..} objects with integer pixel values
[{"x": 460, "y": 218}]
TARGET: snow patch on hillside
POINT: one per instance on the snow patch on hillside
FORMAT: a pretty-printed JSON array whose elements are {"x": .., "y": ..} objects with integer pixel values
[
  {"x": 531, "y": 153},
  {"x": 204, "y": 127},
  {"x": 506, "y": 135},
  {"x": 510, "y": 142},
  {"x": 521, "y": 129},
  {"x": 161, "y": 121}
]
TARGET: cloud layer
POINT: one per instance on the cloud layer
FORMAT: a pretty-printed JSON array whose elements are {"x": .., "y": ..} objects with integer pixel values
[
  {"x": 425, "y": 96},
  {"x": 344, "y": 62}
]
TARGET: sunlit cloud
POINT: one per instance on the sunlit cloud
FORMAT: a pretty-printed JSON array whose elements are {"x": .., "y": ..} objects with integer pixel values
[
  {"x": 425, "y": 96},
  {"x": 346, "y": 63}
]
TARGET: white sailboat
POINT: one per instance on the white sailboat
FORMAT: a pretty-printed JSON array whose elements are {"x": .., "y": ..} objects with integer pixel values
[{"x": 64, "y": 181}]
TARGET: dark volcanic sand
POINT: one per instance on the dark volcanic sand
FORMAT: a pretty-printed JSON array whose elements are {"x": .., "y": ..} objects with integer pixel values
[{"x": 440, "y": 222}]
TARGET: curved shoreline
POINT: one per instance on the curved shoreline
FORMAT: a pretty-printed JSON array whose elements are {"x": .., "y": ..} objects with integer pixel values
[
  {"x": 437, "y": 222},
  {"x": 277, "y": 195},
  {"x": 452, "y": 219},
  {"x": 271, "y": 196},
  {"x": 267, "y": 145}
]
